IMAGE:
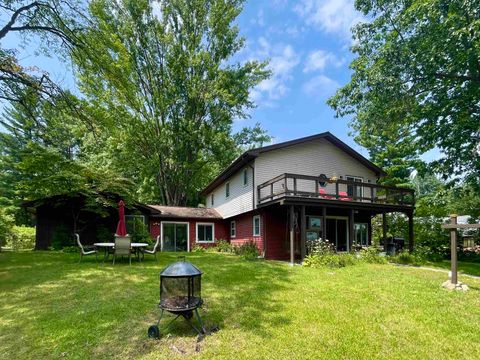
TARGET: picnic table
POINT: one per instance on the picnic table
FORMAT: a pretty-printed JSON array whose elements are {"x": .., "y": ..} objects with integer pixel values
[{"x": 136, "y": 247}]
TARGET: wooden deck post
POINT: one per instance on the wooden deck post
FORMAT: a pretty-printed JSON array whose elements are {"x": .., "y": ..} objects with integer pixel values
[
  {"x": 384, "y": 231},
  {"x": 410, "y": 232},
  {"x": 324, "y": 223},
  {"x": 303, "y": 233},
  {"x": 292, "y": 236},
  {"x": 351, "y": 229},
  {"x": 453, "y": 252}
]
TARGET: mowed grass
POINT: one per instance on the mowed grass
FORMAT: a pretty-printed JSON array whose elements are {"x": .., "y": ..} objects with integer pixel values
[{"x": 52, "y": 307}]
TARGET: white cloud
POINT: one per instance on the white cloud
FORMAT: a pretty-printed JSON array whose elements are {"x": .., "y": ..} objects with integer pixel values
[
  {"x": 283, "y": 60},
  {"x": 319, "y": 59},
  {"x": 330, "y": 16},
  {"x": 320, "y": 86}
]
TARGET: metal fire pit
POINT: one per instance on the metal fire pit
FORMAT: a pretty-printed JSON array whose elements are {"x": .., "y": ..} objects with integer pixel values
[{"x": 180, "y": 295}]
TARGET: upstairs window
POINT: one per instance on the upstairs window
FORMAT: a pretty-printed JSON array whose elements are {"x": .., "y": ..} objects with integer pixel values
[
  {"x": 233, "y": 229},
  {"x": 245, "y": 177},
  {"x": 256, "y": 225},
  {"x": 212, "y": 200},
  {"x": 227, "y": 189}
]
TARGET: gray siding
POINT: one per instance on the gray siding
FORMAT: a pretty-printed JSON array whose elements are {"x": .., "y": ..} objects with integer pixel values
[
  {"x": 240, "y": 199},
  {"x": 312, "y": 158}
]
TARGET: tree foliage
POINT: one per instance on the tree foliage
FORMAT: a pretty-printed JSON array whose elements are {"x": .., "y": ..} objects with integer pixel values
[
  {"x": 416, "y": 84},
  {"x": 164, "y": 83}
]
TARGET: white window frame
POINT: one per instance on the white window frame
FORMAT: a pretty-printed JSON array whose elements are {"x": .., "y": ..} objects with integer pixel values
[
  {"x": 233, "y": 226},
  {"x": 245, "y": 177},
  {"x": 175, "y": 222},
  {"x": 354, "y": 179},
  {"x": 227, "y": 190},
  {"x": 259, "y": 226},
  {"x": 196, "y": 233}
]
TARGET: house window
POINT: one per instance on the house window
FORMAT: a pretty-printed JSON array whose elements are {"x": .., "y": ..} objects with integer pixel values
[
  {"x": 361, "y": 234},
  {"x": 135, "y": 223},
  {"x": 245, "y": 177},
  {"x": 233, "y": 229},
  {"x": 205, "y": 232},
  {"x": 212, "y": 200},
  {"x": 353, "y": 190},
  {"x": 227, "y": 189},
  {"x": 256, "y": 225}
]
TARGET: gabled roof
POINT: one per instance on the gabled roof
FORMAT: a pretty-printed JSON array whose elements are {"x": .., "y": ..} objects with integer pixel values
[
  {"x": 183, "y": 212},
  {"x": 249, "y": 155}
]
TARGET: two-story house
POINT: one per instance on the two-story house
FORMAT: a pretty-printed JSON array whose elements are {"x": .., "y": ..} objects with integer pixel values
[{"x": 282, "y": 195}]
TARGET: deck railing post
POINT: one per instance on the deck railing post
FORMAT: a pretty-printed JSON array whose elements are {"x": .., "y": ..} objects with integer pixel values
[
  {"x": 336, "y": 190},
  {"x": 316, "y": 188},
  {"x": 271, "y": 191},
  {"x": 295, "y": 186},
  {"x": 453, "y": 245}
]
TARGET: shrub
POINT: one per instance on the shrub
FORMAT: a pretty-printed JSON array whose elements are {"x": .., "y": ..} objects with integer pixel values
[
  {"x": 407, "y": 259},
  {"x": 198, "y": 249},
  {"x": 104, "y": 235},
  {"x": 320, "y": 247},
  {"x": 223, "y": 246},
  {"x": 330, "y": 260},
  {"x": 21, "y": 238},
  {"x": 247, "y": 250},
  {"x": 71, "y": 249},
  {"x": 61, "y": 237},
  {"x": 371, "y": 255},
  {"x": 6, "y": 225},
  {"x": 141, "y": 234}
]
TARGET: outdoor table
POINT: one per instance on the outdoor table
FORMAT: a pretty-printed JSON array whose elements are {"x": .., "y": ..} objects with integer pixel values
[{"x": 110, "y": 245}]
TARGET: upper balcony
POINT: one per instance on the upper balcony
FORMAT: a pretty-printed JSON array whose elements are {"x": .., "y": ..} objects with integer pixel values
[{"x": 314, "y": 189}]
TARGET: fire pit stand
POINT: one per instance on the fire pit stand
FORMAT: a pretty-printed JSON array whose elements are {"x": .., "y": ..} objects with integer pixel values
[{"x": 180, "y": 285}]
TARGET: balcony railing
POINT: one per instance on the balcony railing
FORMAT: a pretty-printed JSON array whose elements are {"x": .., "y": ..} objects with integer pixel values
[{"x": 304, "y": 186}]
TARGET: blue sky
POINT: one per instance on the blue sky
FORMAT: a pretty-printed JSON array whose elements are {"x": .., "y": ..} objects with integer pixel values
[{"x": 307, "y": 42}]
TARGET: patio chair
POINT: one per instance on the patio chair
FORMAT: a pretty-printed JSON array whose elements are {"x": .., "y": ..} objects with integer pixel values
[
  {"x": 85, "y": 250},
  {"x": 323, "y": 194},
  {"x": 123, "y": 246},
  {"x": 155, "y": 248},
  {"x": 344, "y": 196}
]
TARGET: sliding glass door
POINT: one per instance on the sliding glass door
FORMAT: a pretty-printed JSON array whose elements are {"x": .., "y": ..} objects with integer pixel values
[{"x": 174, "y": 236}]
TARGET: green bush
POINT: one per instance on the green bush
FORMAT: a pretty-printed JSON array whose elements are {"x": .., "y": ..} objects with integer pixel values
[
  {"x": 61, "y": 237},
  {"x": 247, "y": 250},
  {"x": 71, "y": 249},
  {"x": 371, "y": 255},
  {"x": 141, "y": 234},
  {"x": 223, "y": 246},
  {"x": 198, "y": 249},
  {"x": 6, "y": 225},
  {"x": 104, "y": 234},
  {"x": 21, "y": 238},
  {"x": 407, "y": 259},
  {"x": 330, "y": 260}
]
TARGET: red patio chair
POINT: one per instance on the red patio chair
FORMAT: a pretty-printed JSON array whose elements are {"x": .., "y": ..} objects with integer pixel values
[
  {"x": 323, "y": 194},
  {"x": 344, "y": 196}
]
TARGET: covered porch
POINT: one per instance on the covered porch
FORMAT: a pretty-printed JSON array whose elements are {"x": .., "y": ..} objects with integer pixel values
[{"x": 291, "y": 225}]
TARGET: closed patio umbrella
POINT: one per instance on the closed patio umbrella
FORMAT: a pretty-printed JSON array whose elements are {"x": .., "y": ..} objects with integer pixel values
[{"x": 121, "y": 227}]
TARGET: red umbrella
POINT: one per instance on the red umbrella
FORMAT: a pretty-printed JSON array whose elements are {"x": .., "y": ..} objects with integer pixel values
[{"x": 121, "y": 228}]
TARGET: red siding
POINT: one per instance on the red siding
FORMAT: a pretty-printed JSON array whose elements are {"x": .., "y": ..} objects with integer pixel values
[
  {"x": 244, "y": 227},
  {"x": 221, "y": 231}
]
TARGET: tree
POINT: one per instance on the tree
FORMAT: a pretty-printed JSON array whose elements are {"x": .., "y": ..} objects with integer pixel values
[
  {"x": 55, "y": 23},
  {"x": 163, "y": 78},
  {"x": 416, "y": 79}
]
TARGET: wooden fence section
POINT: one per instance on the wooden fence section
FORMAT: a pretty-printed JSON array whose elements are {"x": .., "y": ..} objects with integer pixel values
[{"x": 332, "y": 189}]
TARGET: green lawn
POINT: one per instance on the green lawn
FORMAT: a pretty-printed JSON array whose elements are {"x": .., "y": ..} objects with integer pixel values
[
  {"x": 463, "y": 267},
  {"x": 52, "y": 307}
]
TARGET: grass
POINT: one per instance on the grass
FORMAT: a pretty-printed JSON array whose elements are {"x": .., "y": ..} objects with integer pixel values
[
  {"x": 52, "y": 307},
  {"x": 464, "y": 267}
]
